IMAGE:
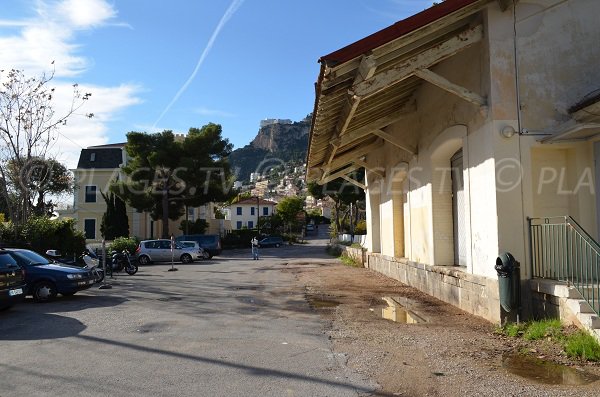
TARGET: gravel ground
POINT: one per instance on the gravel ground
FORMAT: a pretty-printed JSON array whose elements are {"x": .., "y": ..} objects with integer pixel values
[{"x": 451, "y": 353}]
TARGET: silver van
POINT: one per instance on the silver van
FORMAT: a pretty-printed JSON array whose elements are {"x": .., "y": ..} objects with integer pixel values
[{"x": 160, "y": 251}]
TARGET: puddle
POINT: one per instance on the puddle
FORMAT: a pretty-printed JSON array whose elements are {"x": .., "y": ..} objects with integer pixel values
[
  {"x": 545, "y": 372},
  {"x": 397, "y": 311},
  {"x": 321, "y": 302}
]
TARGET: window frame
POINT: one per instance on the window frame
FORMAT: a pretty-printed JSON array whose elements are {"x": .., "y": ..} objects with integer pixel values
[
  {"x": 87, "y": 197},
  {"x": 85, "y": 229}
]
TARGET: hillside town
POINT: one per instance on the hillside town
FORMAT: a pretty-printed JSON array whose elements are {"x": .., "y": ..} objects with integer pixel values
[{"x": 426, "y": 223}]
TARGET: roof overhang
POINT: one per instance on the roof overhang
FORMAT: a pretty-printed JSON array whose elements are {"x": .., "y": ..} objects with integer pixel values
[
  {"x": 368, "y": 85},
  {"x": 584, "y": 125}
]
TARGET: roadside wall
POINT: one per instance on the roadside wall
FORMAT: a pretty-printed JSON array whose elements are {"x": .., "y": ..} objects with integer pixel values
[{"x": 357, "y": 254}]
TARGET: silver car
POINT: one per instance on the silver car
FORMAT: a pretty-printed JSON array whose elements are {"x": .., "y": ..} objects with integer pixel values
[
  {"x": 160, "y": 251},
  {"x": 195, "y": 245}
]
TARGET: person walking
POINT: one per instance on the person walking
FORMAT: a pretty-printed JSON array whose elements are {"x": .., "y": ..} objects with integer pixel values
[{"x": 254, "y": 243}]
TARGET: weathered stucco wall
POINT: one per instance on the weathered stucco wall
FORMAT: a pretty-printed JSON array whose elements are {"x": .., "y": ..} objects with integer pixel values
[
  {"x": 558, "y": 60},
  {"x": 529, "y": 81}
]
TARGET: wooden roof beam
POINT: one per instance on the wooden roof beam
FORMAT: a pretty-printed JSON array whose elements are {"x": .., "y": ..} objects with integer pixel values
[
  {"x": 376, "y": 125},
  {"x": 422, "y": 60},
  {"x": 365, "y": 71},
  {"x": 338, "y": 174},
  {"x": 354, "y": 182},
  {"x": 352, "y": 155},
  {"x": 452, "y": 88},
  {"x": 395, "y": 141},
  {"x": 377, "y": 171}
]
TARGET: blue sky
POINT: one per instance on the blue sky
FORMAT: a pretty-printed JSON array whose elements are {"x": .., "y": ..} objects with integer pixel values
[{"x": 154, "y": 65}]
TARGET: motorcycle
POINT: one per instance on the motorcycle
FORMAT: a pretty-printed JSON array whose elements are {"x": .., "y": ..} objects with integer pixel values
[
  {"x": 122, "y": 261},
  {"x": 87, "y": 260}
]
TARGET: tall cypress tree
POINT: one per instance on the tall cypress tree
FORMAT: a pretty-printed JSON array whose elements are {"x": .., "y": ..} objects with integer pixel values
[
  {"x": 115, "y": 222},
  {"x": 121, "y": 218}
]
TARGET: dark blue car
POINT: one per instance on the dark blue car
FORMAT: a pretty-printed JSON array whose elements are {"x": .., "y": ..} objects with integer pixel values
[
  {"x": 45, "y": 279},
  {"x": 12, "y": 281},
  {"x": 270, "y": 242}
]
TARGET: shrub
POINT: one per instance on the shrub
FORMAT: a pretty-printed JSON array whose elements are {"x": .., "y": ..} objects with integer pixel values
[
  {"x": 42, "y": 233},
  {"x": 543, "y": 329},
  {"x": 334, "y": 250},
  {"x": 361, "y": 227},
  {"x": 349, "y": 261},
  {"x": 582, "y": 345},
  {"x": 124, "y": 243}
]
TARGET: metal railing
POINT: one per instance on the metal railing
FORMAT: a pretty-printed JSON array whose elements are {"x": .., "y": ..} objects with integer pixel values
[{"x": 562, "y": 250}]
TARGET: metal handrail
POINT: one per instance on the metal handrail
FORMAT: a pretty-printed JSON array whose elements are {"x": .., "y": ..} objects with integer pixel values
[{"x": 562, "y": 250}]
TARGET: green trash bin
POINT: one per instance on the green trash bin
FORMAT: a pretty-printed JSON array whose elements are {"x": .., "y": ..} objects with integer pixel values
[{"x": 509, "y": 282}]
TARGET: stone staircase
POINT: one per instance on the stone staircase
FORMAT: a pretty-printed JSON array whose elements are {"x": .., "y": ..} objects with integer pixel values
[{"x": 573, "y": 308}]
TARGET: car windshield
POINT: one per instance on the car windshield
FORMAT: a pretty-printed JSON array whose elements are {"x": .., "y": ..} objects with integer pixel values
[
  {"x": 31, "y": 258},
  {"x": 7, "y": 261}
]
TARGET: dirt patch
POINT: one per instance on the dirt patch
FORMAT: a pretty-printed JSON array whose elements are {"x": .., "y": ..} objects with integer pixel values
[{"x": 451, "y": 353}]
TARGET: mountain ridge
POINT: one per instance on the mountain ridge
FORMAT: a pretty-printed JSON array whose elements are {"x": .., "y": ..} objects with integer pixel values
[{"x": 275, "y": 144}]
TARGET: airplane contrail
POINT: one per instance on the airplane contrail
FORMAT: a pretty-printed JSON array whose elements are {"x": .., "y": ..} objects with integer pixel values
[{"x": 233, "y": 7}]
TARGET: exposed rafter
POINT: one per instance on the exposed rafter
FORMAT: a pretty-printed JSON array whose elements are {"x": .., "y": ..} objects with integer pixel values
[
  {"x": 377, "y": 171},
  {"x": 395, "y": 141},
  {"x": 422, "y": 60},
  {"x": 354, "y": 182},
  {"x": 338, "y": 174},
  {"x": 365, "y": 71},
  {"x": 350, "y": 156},
  {"x": 446, "y": 85},
  {"x": 376, "y": 125}
]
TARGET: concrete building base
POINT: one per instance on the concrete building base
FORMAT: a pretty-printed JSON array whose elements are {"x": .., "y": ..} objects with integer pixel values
[{"x": 474, "y": 294}]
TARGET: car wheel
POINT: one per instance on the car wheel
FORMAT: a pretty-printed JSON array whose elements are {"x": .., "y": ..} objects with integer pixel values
[
  {"x": 186, "y": 258},
  {"x": 210, "y": 255},
  {"x": 277, "y": 245},
  {"x": 144, "y": 260},
  {"x": 44, "y": 291},
  {"x": 206, "y": 255}
]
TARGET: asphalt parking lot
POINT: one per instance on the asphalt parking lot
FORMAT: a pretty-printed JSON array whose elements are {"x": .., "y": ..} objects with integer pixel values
[{"x": 229, "y": 326}]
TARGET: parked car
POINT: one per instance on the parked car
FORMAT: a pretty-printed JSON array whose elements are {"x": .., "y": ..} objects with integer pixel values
[
  {"x": 160, "y": 251},
  {"x": 12, "y": 281},
  {"x": 210, "y": 242},
  {"x": 196, "y": 246},
  {"x": 270, "y": 242},
  {"x": 45, "y": 278}
]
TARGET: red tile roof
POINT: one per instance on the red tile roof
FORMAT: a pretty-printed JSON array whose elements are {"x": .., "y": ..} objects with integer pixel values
[{"x": 394, "y": 31}]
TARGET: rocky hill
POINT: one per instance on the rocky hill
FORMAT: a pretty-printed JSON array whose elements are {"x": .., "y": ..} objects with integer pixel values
[{"x": 275, "y": 144}]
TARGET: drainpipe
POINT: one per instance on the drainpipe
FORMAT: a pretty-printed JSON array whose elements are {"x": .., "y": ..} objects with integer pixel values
[{"x": 519, "y": 120}]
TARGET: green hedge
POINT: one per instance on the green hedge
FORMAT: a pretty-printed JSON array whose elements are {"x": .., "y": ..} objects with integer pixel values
[
  {"x": 124, "y": 243},
  {"x": 42, "y": 233}
]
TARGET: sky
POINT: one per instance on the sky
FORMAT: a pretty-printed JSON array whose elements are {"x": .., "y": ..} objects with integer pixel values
[{"x": 155, "y": 65}]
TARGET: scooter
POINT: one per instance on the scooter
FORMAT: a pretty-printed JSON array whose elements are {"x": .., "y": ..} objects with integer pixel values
[
  {"x": 87, "y": 260},
  {"x": 121, "y": 261}
]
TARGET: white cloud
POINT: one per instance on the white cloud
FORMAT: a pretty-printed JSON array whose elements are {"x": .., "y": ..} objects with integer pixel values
[
  {"x": 50, "y": 37},
  {"x": 86, "y": 13},
  {"x": 81, "y": 131}
]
